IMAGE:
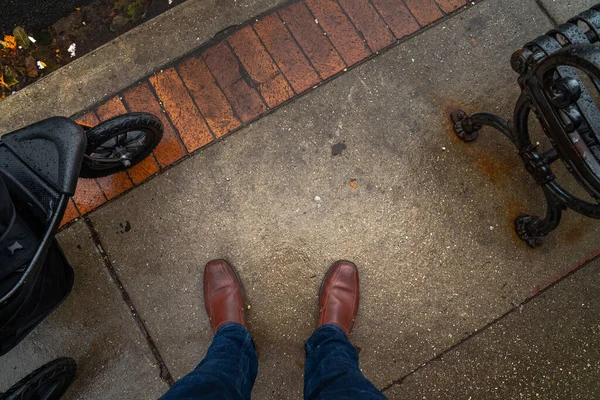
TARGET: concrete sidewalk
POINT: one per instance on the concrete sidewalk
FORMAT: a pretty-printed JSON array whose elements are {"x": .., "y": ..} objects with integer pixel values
[
  {"x": 427, "y": 219},
  {"x": 546, "y": 349}
]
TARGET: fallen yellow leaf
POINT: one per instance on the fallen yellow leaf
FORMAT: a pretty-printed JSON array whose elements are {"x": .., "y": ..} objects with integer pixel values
[
  {"x": 352, "y": 185},
  {"x": 77, "y": 8},
  {"x": 43, "y": 64},
  {"x": 10, "y": 42}
]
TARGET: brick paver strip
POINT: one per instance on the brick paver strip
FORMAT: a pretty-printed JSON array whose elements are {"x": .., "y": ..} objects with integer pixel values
[
  {"x": 426, "y": 11},
  {"x": 450, "y": 5},
  {"x": 114, "y": 185},
  {"x": 140, "y": 98},
  {"x": 258, "y": 66},
  {"x": 286, "y": 53},
  {"x": 397, "y": 16},
  {"x": 70, "y": 213},
  {"x": 110, "y": 108},
  {"x": 208, "y": 96},
  {"x": 312, "y": 40},
  {"x": 147, "y": 167},
  {"x": 88, "y": 194},
  {"x": 181, "y": 109},
  {"x": 338, "y": 27},
  {"x": 225, "y": 68},
  {"x": 89, "y": 118},
  {"x": 143, "y": 170},
  {"x": 369, "y": 23}
]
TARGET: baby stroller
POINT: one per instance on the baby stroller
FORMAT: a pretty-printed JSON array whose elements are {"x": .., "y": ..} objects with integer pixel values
[{"x": 39, "y": 168}]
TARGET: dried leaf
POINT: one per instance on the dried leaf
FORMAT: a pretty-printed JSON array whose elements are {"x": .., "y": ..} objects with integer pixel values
[
  {"x": 31, "y": 65},
  {"x": 11, "y": 76},
  {"x": 136, "y": 11},
  {"x": 10, "y": 42},
  {"x": 22, "y": 37},
  {"x": 2, "y": 83},
  {"x": 352, "y": 184}
]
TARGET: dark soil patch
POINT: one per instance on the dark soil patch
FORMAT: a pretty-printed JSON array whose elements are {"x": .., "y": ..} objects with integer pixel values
[{"x": 78, "y": 31}]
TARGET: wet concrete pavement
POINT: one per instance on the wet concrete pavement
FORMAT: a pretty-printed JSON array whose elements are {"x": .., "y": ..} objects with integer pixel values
[
  {"x": 546, "y": 349},
  {"x": 562, "y": 10},
  {"x": 429, "y": 224}
]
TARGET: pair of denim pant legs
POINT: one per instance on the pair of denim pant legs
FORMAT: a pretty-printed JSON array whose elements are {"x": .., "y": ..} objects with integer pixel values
[{"x": 229, "y": 369}]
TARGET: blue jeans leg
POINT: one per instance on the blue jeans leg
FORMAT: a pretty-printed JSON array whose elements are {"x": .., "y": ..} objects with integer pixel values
[
  {"x": 331, "y": 370},
  {"x": 227, "y": 372}
]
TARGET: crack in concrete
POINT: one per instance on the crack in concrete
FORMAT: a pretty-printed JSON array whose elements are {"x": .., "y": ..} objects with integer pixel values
[{"x": 165, "y": 375}]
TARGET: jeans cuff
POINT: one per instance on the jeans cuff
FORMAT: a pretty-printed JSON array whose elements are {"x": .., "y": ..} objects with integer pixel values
[
  {"x": 331, "y": 326},
  {"x": 231, "y": 326},
  {"x": 237, "y": 329}
]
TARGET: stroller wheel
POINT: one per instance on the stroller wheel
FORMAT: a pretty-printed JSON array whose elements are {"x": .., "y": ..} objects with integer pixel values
[
  {"x": 120, "y": 143},
  {"x": 49, "y": 382}
]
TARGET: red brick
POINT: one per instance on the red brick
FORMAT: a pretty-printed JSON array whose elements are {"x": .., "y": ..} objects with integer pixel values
[
  {"x": 286, "y": 53},
  {"x": 309, "y": 35},
  {"x": 261, "y": 68},
  {"x": 141, "y": 99},
  {"x": 142, "y": 170},
  {"x": 89, "y": 118},
  {"x": 88, "y": 195},
  {"x": 114, "y": 185},
  {"x": 224, "y": 66},
  {"x": 70, "y": 214},
  {"x": 426, "y": 11},
  {"x": 450, "y": 5},
  {"x": 180, "y": 107},
  {"x": 209, "y": 98},
  {"x": 397, "y": 16},
  {"x": 369, "y": 23},
  {"x": 110, "y": 108},
  {"x": 341, "y": 32}
]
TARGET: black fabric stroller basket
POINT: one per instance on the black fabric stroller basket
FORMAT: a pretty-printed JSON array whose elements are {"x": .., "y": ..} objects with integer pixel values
[{"x": 45, "y": 287}]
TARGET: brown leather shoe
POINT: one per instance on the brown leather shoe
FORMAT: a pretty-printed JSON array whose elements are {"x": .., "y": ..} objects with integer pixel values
[
  {"x": 223, "y": 294},
  {"x": 338, "y": 298}
]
